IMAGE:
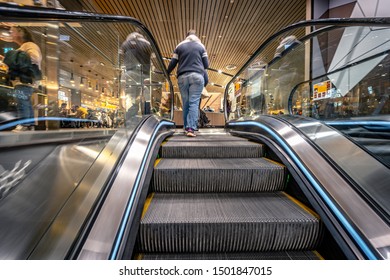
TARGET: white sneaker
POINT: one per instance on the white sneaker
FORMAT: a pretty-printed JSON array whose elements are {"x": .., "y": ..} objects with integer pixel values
[
  {"x": 20, "y": 128},
  {"x": 190, "y": 133}
]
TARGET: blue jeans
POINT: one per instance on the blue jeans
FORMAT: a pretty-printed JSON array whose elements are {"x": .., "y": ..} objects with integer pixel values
[
  {"x": 191, "y": 85},
  {"x": 24, "y": 106}
]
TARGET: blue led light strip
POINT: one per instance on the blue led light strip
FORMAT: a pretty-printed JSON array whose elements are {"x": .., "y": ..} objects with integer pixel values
[{"x": 122, "y": 227}]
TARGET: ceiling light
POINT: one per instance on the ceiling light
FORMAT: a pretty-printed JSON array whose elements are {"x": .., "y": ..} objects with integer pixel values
[{"x": 71, "y": 78}]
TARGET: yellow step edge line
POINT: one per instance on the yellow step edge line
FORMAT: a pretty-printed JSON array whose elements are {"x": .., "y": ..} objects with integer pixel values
[
  {"x": 157, "y": 162},
  {"x": 318, "y": 255},
  {"x": 139, "y": 257},
  {"x": 272, "y": 161},
  {"x": 147, "y": 204},
  {"x": 303, "y": 206}
]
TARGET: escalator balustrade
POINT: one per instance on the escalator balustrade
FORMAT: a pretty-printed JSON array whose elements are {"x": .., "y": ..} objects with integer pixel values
[{"x": 218, "y": 197}]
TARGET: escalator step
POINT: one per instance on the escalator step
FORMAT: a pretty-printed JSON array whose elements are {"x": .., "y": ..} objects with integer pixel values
[
  {"x": 205, "y": 138},
  {"x": 218, "y": 175},
  {"x": 214, "y": 149},
  {"x": 226, "y": 222},
  {"x": 282, "y": 255}
]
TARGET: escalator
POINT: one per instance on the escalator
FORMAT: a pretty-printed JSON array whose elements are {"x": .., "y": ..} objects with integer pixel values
[
  {"x": 254, "y": 190},
  {"x": 264, "y": 187},
  {"x": 219, "y": 197}
]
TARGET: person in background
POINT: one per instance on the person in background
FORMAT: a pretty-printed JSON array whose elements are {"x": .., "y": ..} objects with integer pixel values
[
  {"x": 191, "y": 57},
  {"x": 63, "y": 110},
  {"x": 24, "y": 83},
  {"x": 286, "y": 43},
  {"x": 290, "y": 67},
  {"x": 81, "y": 112},
  {"x": 63, "y": 113},
  {"x": 137, "y": 53}
]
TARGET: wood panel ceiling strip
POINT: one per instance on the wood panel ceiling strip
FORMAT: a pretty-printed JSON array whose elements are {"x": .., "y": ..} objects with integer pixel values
[
  {"x": 160, "y": 27},
  {"x": 208, "y": 24},
  {"x": 213, "y": 31},
  {"x": 166, "y": 31},
  {"x": 172, "y": 27},
  {"x": 178, "y": 30},
  {"x": 254, "y": 44},
  {"x": 190, "y": 18},
  {"x": 290, "y": 18},
  {"x": 108, "y": 8},
  {"x": 183, "y": 26},
  {"x": 266, "y": 18},
  {"x": 210, "y": 40},
  {"x": 105, "y": 6},
  {"x": 216, "y": 48},
  {"x": 144, "y": 11},
  {"x": 226, "y": 43},
  {"x": 207, "y": 12},
  {"x": 236, "y": 29},
  {"x": 88, "y": 6},
  {"x": 196, "y": 18},
  {"x": 249, "y": 23},
  {"x": 205, "y": 31},
  {"x": 230, "y": 11},
  {"x": 127, "y": 9}
]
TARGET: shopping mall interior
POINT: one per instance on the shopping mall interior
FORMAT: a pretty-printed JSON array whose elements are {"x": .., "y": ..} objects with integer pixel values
[{"x": 289, "y": 159}]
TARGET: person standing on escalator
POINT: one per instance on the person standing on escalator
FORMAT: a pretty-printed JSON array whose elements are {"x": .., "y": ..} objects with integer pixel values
[{"x": 191, "y": 57}]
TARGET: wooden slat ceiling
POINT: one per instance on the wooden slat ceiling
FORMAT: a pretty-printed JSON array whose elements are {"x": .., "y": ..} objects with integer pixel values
[{"x": 231, "y": 30}]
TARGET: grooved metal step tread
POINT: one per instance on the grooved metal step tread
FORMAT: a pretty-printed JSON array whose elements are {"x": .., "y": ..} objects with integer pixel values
[
  {"x": 218, "y": 175},
  {"x": 280, "y": 255},
  {"x": 214, "y": 149},
  {"x": 223, "y": 222},
  {"x": 203, "y": 138}
]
